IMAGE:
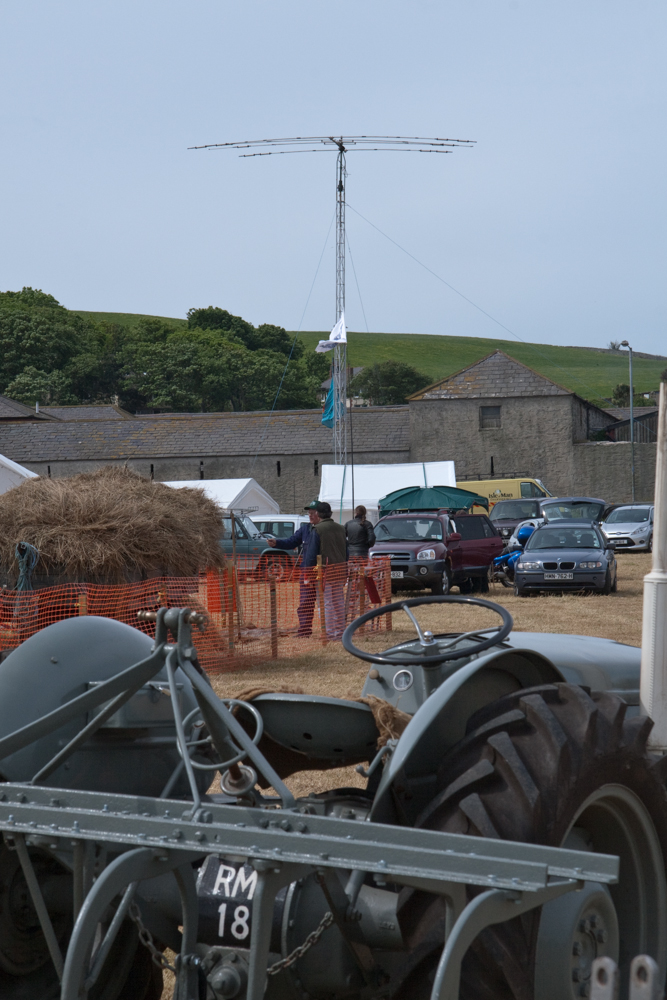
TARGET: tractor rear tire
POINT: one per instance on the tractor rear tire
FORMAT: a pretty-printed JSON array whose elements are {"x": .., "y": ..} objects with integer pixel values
[{"x": 561, "y": 766}]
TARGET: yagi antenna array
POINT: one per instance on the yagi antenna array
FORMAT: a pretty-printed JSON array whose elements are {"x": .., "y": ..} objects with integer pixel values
[{"x": 341, "y": 146}]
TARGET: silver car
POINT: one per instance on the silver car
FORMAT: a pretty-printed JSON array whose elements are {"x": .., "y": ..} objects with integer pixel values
[{"x": 630, "y": 527}]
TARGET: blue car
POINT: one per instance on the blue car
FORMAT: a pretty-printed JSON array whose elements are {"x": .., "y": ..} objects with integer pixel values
[{"x": 566, "y": 555}]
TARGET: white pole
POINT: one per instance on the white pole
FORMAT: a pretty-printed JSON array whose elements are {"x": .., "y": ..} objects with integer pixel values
[{"x": 653, "y": 682}]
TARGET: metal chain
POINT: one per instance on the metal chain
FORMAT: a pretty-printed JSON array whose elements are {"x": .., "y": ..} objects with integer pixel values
[
  {"x": 312, "y": 939},
  {"x": 158, "y": 957}
]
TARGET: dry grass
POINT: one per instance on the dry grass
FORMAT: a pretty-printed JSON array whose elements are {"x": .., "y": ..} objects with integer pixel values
[
  {"x": 110, "y": 526},
  {"x": 332, "y": 671}
]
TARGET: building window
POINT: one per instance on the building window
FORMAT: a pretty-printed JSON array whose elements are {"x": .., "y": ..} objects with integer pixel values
[
  {"x": 48, "y": 471},
  {"x": 316, "y": 467},
  {"x": 278, "y": 468},
  {"x": 201, "y": 470},
  {"x": 489, "y": 416},
  {"x": 152, "y": 471}
]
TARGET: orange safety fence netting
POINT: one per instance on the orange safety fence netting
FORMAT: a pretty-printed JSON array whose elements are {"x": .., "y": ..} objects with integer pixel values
[{"x": 253, "y": 613}]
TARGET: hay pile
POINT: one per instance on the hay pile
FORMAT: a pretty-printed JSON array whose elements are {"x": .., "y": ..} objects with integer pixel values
[{"x": 109, "y": 526}]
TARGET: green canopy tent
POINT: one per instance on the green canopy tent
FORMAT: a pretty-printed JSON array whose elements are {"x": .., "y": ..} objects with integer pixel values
[{"x": 430, "y": 498}]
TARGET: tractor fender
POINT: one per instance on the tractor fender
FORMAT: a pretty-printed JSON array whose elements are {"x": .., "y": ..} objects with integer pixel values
[
  {"x": 409, "y": 777},
  {"x": 55, "y": 665}
]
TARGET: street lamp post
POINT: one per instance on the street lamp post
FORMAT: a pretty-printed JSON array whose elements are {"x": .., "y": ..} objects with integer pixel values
[{"x": 624, "y": 343}]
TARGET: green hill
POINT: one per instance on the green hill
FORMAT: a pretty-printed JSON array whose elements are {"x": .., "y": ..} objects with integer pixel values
[{"x": 590, "y": 372}]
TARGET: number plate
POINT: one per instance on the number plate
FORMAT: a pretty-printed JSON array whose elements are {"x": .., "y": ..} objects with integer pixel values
[
  {"x": 559, "y": 576},
  {"x": 225, "y": 890},
  {"x": 397, "y": 574}
]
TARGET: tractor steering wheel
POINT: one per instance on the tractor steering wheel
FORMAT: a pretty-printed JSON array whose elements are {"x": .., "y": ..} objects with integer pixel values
[{"x": 428, "y": 643}]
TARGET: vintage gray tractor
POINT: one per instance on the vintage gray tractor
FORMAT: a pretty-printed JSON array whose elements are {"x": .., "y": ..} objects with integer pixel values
[{"x": 481, "y": 860}]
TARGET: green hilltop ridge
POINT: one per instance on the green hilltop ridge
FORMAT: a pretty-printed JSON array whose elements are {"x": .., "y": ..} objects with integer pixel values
[{"x": 590, "y": 372}]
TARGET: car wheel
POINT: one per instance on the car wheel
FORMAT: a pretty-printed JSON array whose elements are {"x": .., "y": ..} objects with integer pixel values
[
  {"x": 519, "y": 591},
  {"x": 466, "y": 586},
  {"x": 275, "y": 568},
  {"x": 607, "y": 589},
  {"x": 649, "y": 547},
  {"x": 444, "y": 585}
]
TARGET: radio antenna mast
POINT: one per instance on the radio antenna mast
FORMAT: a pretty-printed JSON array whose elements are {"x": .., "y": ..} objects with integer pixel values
[{"x": 341, "y": 145}]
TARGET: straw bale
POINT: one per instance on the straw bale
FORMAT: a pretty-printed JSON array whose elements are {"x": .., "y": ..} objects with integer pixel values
[{"x": 110, "y": 526}]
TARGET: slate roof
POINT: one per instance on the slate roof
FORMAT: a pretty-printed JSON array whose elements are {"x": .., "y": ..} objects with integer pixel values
[
  {"x": 287, "y": 432},
  {"x": 495, "y": 375},
  {"x": 102, "y": 411},
  {"x": 11, "y": 410}
]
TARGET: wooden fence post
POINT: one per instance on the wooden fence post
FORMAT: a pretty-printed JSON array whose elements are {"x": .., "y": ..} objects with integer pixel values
[{"x": 274, "y": 619}]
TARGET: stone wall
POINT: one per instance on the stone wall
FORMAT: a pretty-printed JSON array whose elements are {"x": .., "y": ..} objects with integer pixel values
[
  {"x": 602, "y": 469},
  {"x": 297, "y": 484},
  {"x": 535, "y": 437}
]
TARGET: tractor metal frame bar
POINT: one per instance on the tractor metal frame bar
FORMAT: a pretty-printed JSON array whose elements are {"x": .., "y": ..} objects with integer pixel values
[{"x": 420, "y": 858}]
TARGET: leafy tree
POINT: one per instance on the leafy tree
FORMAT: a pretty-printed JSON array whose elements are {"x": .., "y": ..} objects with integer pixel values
[
  {"x": 621, "y": 395},
  {"x": 46, "y": 388},
  {"x": 614, "y": 345},
  {"x": 386, "y": 383},
  {"x": 30, "y": 298},
  {"x": 45, "y": 339}
]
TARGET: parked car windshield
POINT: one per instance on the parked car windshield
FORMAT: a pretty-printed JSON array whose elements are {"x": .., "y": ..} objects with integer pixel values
[
  {"x": 629, "y": 515},
  {"x": 250, "y": 526},
  {"x": 515, "y": 510},
  {"x": 571, "y": 510},
  {"x": 408, "y": 529},
  {"x": 564, "y": 538}
]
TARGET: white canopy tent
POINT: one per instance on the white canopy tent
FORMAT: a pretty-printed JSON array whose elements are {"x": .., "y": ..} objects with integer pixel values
[
  {"x": 372, "y": 482},
  {"x": 239, "y": 494},
  {"x": 13, "y": 474}
]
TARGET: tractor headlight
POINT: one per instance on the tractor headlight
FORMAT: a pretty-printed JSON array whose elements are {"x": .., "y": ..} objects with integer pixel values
[
  {"x": 527, "y": 564},
  {"x": 426, "y": 554},
  {"x": 590, "y": 565}
]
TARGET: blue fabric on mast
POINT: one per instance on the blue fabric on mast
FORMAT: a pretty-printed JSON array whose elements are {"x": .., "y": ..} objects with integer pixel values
[{"x": 328, "y": 415}]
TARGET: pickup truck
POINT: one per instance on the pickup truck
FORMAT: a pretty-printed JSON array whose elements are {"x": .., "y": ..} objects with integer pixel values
[{"x": 438, "y": 550}]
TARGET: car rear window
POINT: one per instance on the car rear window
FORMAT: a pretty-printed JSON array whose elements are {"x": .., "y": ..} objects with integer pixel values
[
  {"x": 280, "y": 529},
  {"x": 472, "y": 527},
  {"x": 515, "y": 510}
]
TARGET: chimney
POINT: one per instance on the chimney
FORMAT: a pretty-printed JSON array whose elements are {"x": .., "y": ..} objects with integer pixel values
[{"x": 653, "y": 682}]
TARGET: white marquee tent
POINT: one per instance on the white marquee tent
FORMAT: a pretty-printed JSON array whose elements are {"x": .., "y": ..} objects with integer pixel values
[
  {"x": 233, "y": 493},
  {"x": 12, "y": 474},
  {"x": 372, "y": 482}
]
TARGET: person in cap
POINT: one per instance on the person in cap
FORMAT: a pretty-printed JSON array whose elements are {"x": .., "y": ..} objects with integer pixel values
[{"x": 324, "y": 537}]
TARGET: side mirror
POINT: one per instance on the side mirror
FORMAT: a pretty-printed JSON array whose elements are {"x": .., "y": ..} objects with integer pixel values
[
  {"x": 454, "y": 537},
  {"x": 611, "y": 545}
]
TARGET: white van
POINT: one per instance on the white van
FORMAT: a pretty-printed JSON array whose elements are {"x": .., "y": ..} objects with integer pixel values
[{"x": 278, "y": 525}]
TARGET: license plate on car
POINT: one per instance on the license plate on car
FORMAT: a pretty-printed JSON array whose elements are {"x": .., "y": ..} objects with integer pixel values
[
  {"x": 559, "y": 576},
  {"x": 397, "y": 574}
]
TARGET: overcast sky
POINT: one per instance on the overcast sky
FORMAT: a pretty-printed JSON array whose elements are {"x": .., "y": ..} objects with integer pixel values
[{"x": 554, "y": 223}]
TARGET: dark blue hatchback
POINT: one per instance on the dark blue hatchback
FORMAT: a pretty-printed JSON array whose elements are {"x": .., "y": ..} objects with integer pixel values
[{"x": 566, "y": 555}]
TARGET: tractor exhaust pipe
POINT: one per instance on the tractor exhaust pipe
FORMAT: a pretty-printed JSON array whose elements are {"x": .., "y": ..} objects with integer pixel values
[{"x": 653, "y": 681}]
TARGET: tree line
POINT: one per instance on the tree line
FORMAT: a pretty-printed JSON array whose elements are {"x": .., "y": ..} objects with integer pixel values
[{"x": 53, "y": 356}]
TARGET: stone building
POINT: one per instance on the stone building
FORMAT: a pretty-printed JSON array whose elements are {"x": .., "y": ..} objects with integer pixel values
[{"x": 496, "y": 417}]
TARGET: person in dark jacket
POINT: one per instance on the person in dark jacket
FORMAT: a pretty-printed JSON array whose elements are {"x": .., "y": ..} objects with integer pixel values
[
  {"x": 360, "y": 534},
  {"x": 326, "y": 538}
]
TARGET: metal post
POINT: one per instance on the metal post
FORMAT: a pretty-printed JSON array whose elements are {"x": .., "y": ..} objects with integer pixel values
[
  {"x": 340, "y": 352},
  {"x": 653, "y": 680},
  {"x": 625, "y": 343}
]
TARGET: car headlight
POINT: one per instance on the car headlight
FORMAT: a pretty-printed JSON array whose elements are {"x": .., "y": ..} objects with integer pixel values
[
  {"x": 505, "y": 532},
  {"x": 426, "y": 554},
  {"x": 529, "y": 565},
  {"x": 590, "y": 565},
  {"x": 640, "y": 531}
]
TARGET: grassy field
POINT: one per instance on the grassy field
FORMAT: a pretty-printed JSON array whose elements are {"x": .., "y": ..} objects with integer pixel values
[
  {"x": 588, "y": 372},
  {"x": 333, "y": 672}
]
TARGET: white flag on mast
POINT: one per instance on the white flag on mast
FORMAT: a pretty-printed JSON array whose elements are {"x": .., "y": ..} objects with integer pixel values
[{"x": 337, "y": 336}]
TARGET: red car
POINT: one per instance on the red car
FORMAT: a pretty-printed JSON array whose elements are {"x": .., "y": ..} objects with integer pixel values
[{"x": 438, "y": 550}]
